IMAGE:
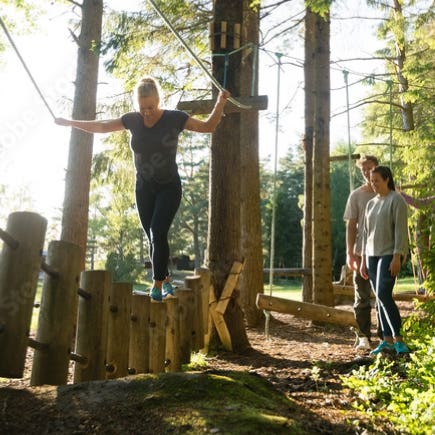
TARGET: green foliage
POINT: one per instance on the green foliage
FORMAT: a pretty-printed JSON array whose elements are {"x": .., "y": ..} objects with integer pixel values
[
  {"x": 402, "y": 391},
  {"x": 288, "y": 214}
]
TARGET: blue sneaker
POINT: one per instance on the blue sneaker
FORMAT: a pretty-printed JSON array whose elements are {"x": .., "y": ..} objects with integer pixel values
[
  {"x": 401, "y": 347},
  {"x": 167, "y": 289},
  {"x": 156, "y": 294},
  {"x": 383, "y": 346}
]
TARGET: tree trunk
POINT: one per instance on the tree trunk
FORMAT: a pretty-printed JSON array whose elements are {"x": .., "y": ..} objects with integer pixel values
[
  {"x": 78, "y": 174},
  {"x": 309, "y": 68},
  {"x": 399, "y": 41},
  {"x": 252, "y": 276},
  {"x": 224, "y": 215},
  {"x": 322, "y": 256}
]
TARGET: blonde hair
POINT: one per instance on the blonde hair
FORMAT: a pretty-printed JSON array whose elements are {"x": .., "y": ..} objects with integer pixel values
[{"x": 148, "y": 87}]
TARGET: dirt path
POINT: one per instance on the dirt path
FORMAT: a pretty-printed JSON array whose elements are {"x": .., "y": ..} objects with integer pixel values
[{"x": 302, "y": 361}]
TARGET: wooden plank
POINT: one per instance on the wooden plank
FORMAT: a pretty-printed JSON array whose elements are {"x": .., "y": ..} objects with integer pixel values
[
  {"x": 201, "y": 107},
  {"x": 319, "y": 313},
  {"x": 221, "y": 328},
  {"x": 230, "y": 285}
]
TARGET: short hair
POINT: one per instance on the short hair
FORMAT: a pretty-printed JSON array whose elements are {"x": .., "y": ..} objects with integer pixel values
[
  {"x": 385, "y": 173},
  {"x": 367, "y": 158},
  {"x": 148, "y": 87}
]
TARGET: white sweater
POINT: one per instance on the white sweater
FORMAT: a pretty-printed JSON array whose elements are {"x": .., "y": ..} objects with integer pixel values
[{"x": 386, "y": 226}]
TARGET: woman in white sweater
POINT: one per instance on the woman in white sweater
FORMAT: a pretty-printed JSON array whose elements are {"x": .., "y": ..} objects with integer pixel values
[{"x": 385, "y": 247}]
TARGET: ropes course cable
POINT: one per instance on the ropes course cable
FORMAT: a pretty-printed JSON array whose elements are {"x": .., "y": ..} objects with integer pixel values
[
  {"x": 194, "y": 56},
  {"x": 274, "y": 195},
  {"x": 3, "y": 25}
]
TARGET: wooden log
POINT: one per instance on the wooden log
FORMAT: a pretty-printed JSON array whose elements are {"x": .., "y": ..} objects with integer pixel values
[
  {"x": 157, "y": 337},
  {"x": 201, "y": 107},
  {"x": 57, "y": 314},
  {"x": 205, "y": 276},
  {"x": 212, "y": 303},
  {"x": 315, "y": 312},
  {"x": 344, "y": 157},
  {"x": 10, "y": 241},
  {"x": 348, "y": 290},
  {"x": 19, "y": 270},
  {"x": 185, "y": 300},
  {"x": 139, "y": 347},
  {"x": 173, "y": 353},
  {"x": 194, "y": 283},
  {"x": 292, "y": 271},
  {"x": 91, "y": 335},
  {"x": 118, "y": 330}
]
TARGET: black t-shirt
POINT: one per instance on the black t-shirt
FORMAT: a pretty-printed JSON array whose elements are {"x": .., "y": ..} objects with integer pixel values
[{"x": 155, "y": 148}]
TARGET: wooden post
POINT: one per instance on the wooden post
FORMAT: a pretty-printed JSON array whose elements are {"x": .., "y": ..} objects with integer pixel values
[
  {"x": 157, "y": 337},
  {"x": 321, "y": 313},
  {"x": 19, "y": 270},
  {"x": 223, "y": 34},
  {"x": 185, "y": 298},
  {"x": 194, "y": 283},
  {"x": 119, "y": 330},
  {"x": 91, "y": 336},
  {"x": 205, "y": 276},
  {"x": 57, "y": 314},
  {"x": 139, "y": 334},
  {"x": 173, "y": 360}
]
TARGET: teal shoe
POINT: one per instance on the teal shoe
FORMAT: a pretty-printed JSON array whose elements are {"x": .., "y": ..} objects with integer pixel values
[
  {"x": 382, "y": 347},
  {"x": 156, "y": 294},
  {"x": 401, "y": 347},
  {"x": 167, "y": 289}
]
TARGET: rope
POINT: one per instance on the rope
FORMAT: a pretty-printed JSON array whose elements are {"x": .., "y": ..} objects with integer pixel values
[
  {"x": 25, "y": 67},
  {"x": 275, "y": 169},
  {"x": 194, "y": 56}
]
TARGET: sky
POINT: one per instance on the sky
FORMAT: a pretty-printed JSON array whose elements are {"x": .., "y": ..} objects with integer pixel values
[{"x": 34, "y": 151}]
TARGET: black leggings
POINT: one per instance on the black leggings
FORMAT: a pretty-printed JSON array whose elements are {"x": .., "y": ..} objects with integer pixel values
[{"x": 157, "y": 205}]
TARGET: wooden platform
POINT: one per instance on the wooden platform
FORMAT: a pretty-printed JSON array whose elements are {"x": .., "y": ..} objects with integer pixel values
[{"x": 202, "y": 107}]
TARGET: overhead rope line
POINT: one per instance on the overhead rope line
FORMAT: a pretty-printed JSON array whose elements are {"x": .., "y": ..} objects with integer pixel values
[
  {"x": 274, "y": 194},
  {"x": 194, "y": 56},
  {"x": 3, "y": 25}
]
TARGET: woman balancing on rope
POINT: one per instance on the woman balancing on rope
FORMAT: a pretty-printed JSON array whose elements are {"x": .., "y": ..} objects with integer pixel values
[{"x": 154, "y": 141}]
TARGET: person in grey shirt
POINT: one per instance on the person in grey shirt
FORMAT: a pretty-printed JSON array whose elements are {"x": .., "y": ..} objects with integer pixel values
[
  {"x": 385, "y": 247},
  {"x": 354, "y": 217},
  {"x": 154, "y": 141}
]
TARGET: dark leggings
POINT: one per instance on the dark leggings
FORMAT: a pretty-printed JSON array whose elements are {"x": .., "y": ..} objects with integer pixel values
[
  {"x": 383, "y": 284},
  {"x": 157, "y": 205}
]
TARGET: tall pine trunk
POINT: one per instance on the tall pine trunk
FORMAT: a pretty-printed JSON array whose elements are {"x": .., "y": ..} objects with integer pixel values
[
  {"x": 252, "y": 251},
  {"x": 309, "y": 69},
  {"x": 321, "y": 229},
  {"x": 78, "y": 174},
  {"x": 224, "y": 238}
]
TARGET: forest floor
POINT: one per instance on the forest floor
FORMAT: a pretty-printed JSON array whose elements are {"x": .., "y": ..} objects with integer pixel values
[{"x": 302, "y": 363}]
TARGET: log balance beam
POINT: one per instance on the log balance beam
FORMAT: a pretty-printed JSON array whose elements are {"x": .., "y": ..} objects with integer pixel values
[
  {"x": 320, "y": 313},
  {"x": 202, "y": 107},
  {"x": 348, "y": 290}
]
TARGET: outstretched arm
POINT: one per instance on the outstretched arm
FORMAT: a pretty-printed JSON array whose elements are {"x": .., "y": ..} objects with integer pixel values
[
  {"x": 104, "y": 126},
  {"x": 209, "y": 125}
]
